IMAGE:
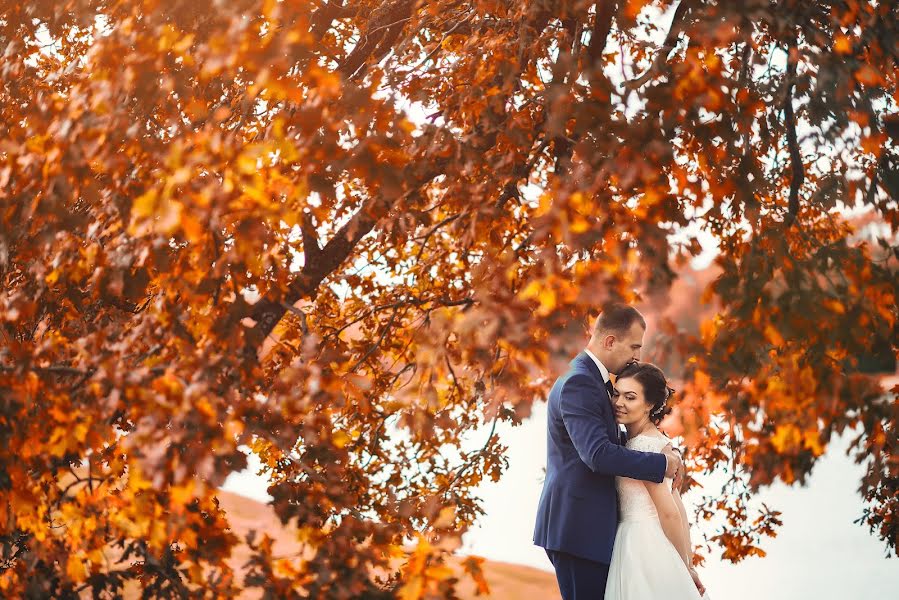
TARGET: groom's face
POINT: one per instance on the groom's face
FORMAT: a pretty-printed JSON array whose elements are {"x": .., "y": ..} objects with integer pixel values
[{"x": 626, "y": 348}]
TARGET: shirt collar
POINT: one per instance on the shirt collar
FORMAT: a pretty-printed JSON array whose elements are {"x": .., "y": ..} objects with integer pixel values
[{"x": 602, "y": 368}]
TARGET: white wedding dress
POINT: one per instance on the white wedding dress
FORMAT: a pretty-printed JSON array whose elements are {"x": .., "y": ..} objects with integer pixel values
[{"x": 645, "y": 565}]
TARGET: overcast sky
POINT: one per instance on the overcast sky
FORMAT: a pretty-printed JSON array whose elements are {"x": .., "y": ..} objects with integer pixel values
[{"x": 819, "y": 552}]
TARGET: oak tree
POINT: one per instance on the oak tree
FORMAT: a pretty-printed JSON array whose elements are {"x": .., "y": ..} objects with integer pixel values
[{"x": 352, "y": 237}]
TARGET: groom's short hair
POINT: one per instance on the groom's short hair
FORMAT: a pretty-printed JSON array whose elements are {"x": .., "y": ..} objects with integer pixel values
[{"x": 617, "y": 317}]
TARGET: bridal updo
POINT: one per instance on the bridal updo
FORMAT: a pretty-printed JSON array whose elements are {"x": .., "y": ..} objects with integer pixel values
[{"x": 655, "y": 388}]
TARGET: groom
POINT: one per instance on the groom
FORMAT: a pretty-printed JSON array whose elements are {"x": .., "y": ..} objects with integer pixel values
[{"x": 578, "y": 512}]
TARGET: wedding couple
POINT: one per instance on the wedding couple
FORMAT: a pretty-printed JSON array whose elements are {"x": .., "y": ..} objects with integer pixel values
[{"x": 609, "y": 518}]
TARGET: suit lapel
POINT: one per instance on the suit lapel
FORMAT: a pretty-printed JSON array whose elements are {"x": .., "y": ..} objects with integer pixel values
[
  {"x": 591, "y": 366},
  {"x": 611, "y": 424}
]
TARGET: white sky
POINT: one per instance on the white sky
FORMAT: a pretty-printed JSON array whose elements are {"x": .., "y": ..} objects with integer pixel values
[{"x": 819, "y": 552}]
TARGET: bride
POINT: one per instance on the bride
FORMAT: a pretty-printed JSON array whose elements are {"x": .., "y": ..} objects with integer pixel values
[{"x": 652, "y": 554}]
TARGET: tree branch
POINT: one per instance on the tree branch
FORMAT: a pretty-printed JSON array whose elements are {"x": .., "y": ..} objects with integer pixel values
[
  {"x": 52, "y": 370},
  {"x": 440, "y": 302},
  {"x": 377, "y": 344},
  {"x": 431, "y": 232},
  {"x": 267, "y": 312},
  {"x": 602, "y": 25},
  {"x": 798, "y": 172},
  {"x": 311, "y": 249},
  {"x": 325, "y": 15},
  {"x": 521, "y": 170},
  {"x": 390, "y": 21},
  {"x": 660, "y": 60},
  {"x": 438, "y": 46}
]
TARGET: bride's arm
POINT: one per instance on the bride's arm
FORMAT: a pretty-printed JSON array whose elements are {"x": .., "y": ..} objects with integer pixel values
[
  {"x": 669, "y": 517},
  {"x": 669, "y": 510},
  {"x": 685, "y": 525}
]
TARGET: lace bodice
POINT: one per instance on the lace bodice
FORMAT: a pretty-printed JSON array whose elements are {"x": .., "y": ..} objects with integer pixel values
[{"x": 635, "y": 503}]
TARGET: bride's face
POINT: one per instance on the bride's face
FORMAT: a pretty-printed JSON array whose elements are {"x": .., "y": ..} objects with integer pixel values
[{"x": 630, "y": 403}]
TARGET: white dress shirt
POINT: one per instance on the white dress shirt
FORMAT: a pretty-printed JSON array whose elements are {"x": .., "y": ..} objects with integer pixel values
[
  {"x": 602, "y": 367},
  {"x": 606, "y": 378}
]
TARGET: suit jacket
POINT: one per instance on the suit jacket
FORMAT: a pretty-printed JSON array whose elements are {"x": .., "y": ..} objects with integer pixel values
[{"x": 578, "y": 510}]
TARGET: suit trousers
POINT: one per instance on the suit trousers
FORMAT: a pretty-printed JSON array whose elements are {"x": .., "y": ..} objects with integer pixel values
[{"x": 579, "y": 578}]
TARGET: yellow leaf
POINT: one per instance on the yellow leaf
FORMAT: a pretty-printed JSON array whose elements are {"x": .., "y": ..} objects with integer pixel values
[
  {"x": 167, "y": 38},
  {"x": 340, "y": 439},
  {"x": 189, "y": 538},
  {"x": 169, "y": 216},
  {"x": 182, "y": 495},
  {"x": 701, "y": 380},
  {"x": 145, "y": 205},
  {"x": 541, "y": 292},
  {"x": 773, "y": 336},
  {"x": 80, "y": 432},
  {"x": 545, "y": 203},
  {"x": 205, "y": 408},
  {"x": 95, "y": 556},
  {"x": 531, "y": 290},
  {"x": 578, "y": 201},
  {"x": 75, "y": 568},
  {"x": 247, "y": 164},
  {"x": 446, "y": 517},
  {"x": 812, "y": 441},
  {"x": 579, "y": 225},
  {"x": 182, "y": 45},
  {"x": 785, "y": 437},
  {"x": 835, "y": 306},
  {"x": 547, "y": 300},
  {"x": 842, "y": 45},
  {"x": 192, "y": 228},
  {"x": 414, "y": 588},
  {"x": 259, "y": 195},
  {"x": 439, "y": 572}
]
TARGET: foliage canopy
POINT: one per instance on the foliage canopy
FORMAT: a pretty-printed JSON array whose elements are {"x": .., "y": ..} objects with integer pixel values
[{"x": 345, "y": 235}]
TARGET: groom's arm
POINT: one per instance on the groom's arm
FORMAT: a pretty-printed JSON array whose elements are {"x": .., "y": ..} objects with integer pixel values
[{"x": 582, "y": 415}]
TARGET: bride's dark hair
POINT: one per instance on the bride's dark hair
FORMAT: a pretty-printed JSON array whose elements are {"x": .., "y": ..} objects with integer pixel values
[{"x": 655, "y": 388}]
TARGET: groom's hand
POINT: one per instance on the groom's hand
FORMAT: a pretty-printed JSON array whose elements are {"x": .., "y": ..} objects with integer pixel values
[
  {"x": 678, "y": 483},
  {"x": 674, "y": 464}
]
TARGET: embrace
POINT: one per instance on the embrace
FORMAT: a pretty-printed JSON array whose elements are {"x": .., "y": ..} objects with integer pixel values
[{"x": 610, "y": 518}]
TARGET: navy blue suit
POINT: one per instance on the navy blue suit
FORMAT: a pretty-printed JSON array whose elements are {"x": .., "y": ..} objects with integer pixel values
[{"x": 578, "y": 512}]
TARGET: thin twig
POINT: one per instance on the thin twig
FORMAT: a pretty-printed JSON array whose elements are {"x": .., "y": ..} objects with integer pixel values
[
  {"x": 670, "y": 42},
  {"x": 376, "y": 344},
  {"x": 428, "y": 235},
  {"x": 798, "y": 172}
]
